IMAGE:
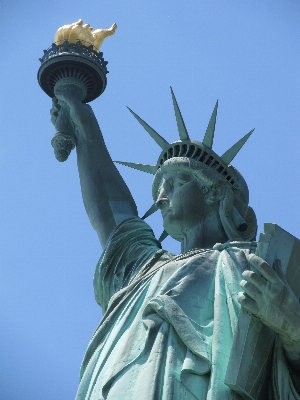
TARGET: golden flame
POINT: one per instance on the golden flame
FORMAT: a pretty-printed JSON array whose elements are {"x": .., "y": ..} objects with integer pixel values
[{"x": 77, "y": 31}]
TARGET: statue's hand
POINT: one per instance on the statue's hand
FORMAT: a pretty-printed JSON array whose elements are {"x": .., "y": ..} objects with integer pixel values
[
  {"x": 54, "y": 110},
  {"x": 81, "y": 115},
  {"x": 272, "y": 301}
]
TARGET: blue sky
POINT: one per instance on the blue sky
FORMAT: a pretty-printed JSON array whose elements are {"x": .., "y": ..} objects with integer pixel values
[{"x": 243, "y": 53}]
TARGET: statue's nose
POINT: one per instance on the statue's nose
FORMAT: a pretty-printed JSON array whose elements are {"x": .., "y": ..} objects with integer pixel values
[{"x": 162, "y": 199}]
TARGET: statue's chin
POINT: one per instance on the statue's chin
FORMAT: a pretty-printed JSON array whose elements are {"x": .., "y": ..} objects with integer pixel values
[{"x": 174, "y": 229}]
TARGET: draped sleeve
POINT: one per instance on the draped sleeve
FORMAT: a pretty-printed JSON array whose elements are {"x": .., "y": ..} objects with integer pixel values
[{"x": 131, "y": 245}]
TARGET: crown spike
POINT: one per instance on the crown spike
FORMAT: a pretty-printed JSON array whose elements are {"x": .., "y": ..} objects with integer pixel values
[
  {"x": 151, "y": 211},
  {"x": 183, "y": 133},
  {"x": 156, "y": 136},
  {"x": 163, "y": 236},
  {"x": 210, "y": 131},
  {"x": 229, "y": 155},
  {"x": 150, "y": 169}
]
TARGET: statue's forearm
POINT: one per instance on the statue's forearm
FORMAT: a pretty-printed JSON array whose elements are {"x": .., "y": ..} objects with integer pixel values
[{"x": 106, "y": 197}]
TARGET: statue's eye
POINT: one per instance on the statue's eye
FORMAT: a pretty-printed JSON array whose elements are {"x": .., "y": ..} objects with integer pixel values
[
  {"x": 181, "y": 183},
  {"x": 170, "y": 185}
]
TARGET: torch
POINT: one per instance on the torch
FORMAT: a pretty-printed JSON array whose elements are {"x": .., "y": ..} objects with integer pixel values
[{"x": 73, "y": 64}]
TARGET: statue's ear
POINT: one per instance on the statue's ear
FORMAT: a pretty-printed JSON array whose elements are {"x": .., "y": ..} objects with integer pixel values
[{"x": 215, "y": 194}]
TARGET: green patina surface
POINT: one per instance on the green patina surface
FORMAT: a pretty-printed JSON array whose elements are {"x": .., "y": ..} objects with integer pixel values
[{"x": 179, "y": 327}]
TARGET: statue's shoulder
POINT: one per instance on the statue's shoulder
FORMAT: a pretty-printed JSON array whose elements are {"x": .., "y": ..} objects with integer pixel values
[{"x": 132, "y": 230}]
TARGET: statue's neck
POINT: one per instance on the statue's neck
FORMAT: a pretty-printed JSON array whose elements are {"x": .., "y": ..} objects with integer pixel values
[{"x": 204, "y": 235}]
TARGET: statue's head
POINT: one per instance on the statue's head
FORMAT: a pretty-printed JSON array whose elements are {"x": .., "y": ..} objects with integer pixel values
[
  {"x": 204, "y": 182},
  {"x": 202, "y": 190}
]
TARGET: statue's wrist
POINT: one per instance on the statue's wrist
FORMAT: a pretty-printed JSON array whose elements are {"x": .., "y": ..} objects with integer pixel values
[
  {"x": 89, "y": 141},
  {"x": 88, "y": 138}
]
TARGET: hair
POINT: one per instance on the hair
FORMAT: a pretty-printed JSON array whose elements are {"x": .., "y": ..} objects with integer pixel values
[{"x": 237, "y": 217}]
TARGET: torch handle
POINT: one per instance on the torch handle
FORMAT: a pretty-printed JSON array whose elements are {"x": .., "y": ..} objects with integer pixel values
[{"x": 63, "y": 140}]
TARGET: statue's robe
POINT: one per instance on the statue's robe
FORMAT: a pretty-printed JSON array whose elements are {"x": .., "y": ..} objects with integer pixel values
[{"x": 169, "y": 321}]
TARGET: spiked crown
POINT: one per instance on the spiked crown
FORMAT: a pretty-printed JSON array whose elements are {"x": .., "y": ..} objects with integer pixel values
[{"x": 202, "y": 153}]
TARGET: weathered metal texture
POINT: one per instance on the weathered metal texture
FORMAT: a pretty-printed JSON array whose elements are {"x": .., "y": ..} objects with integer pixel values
[{"x": 173, "y": 318}]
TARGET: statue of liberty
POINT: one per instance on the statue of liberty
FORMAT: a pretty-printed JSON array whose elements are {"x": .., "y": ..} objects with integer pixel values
[{"x": 170, "y": 320}]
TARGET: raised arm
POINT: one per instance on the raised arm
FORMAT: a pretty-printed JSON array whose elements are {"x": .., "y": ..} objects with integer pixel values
[{"x": 106, "y": 197}]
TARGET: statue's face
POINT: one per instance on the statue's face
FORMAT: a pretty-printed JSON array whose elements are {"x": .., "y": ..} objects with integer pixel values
[{"x": 182, "y": 203}]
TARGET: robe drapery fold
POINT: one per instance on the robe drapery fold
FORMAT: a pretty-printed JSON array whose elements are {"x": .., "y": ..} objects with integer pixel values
[{"x": 169, "y": 321}]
